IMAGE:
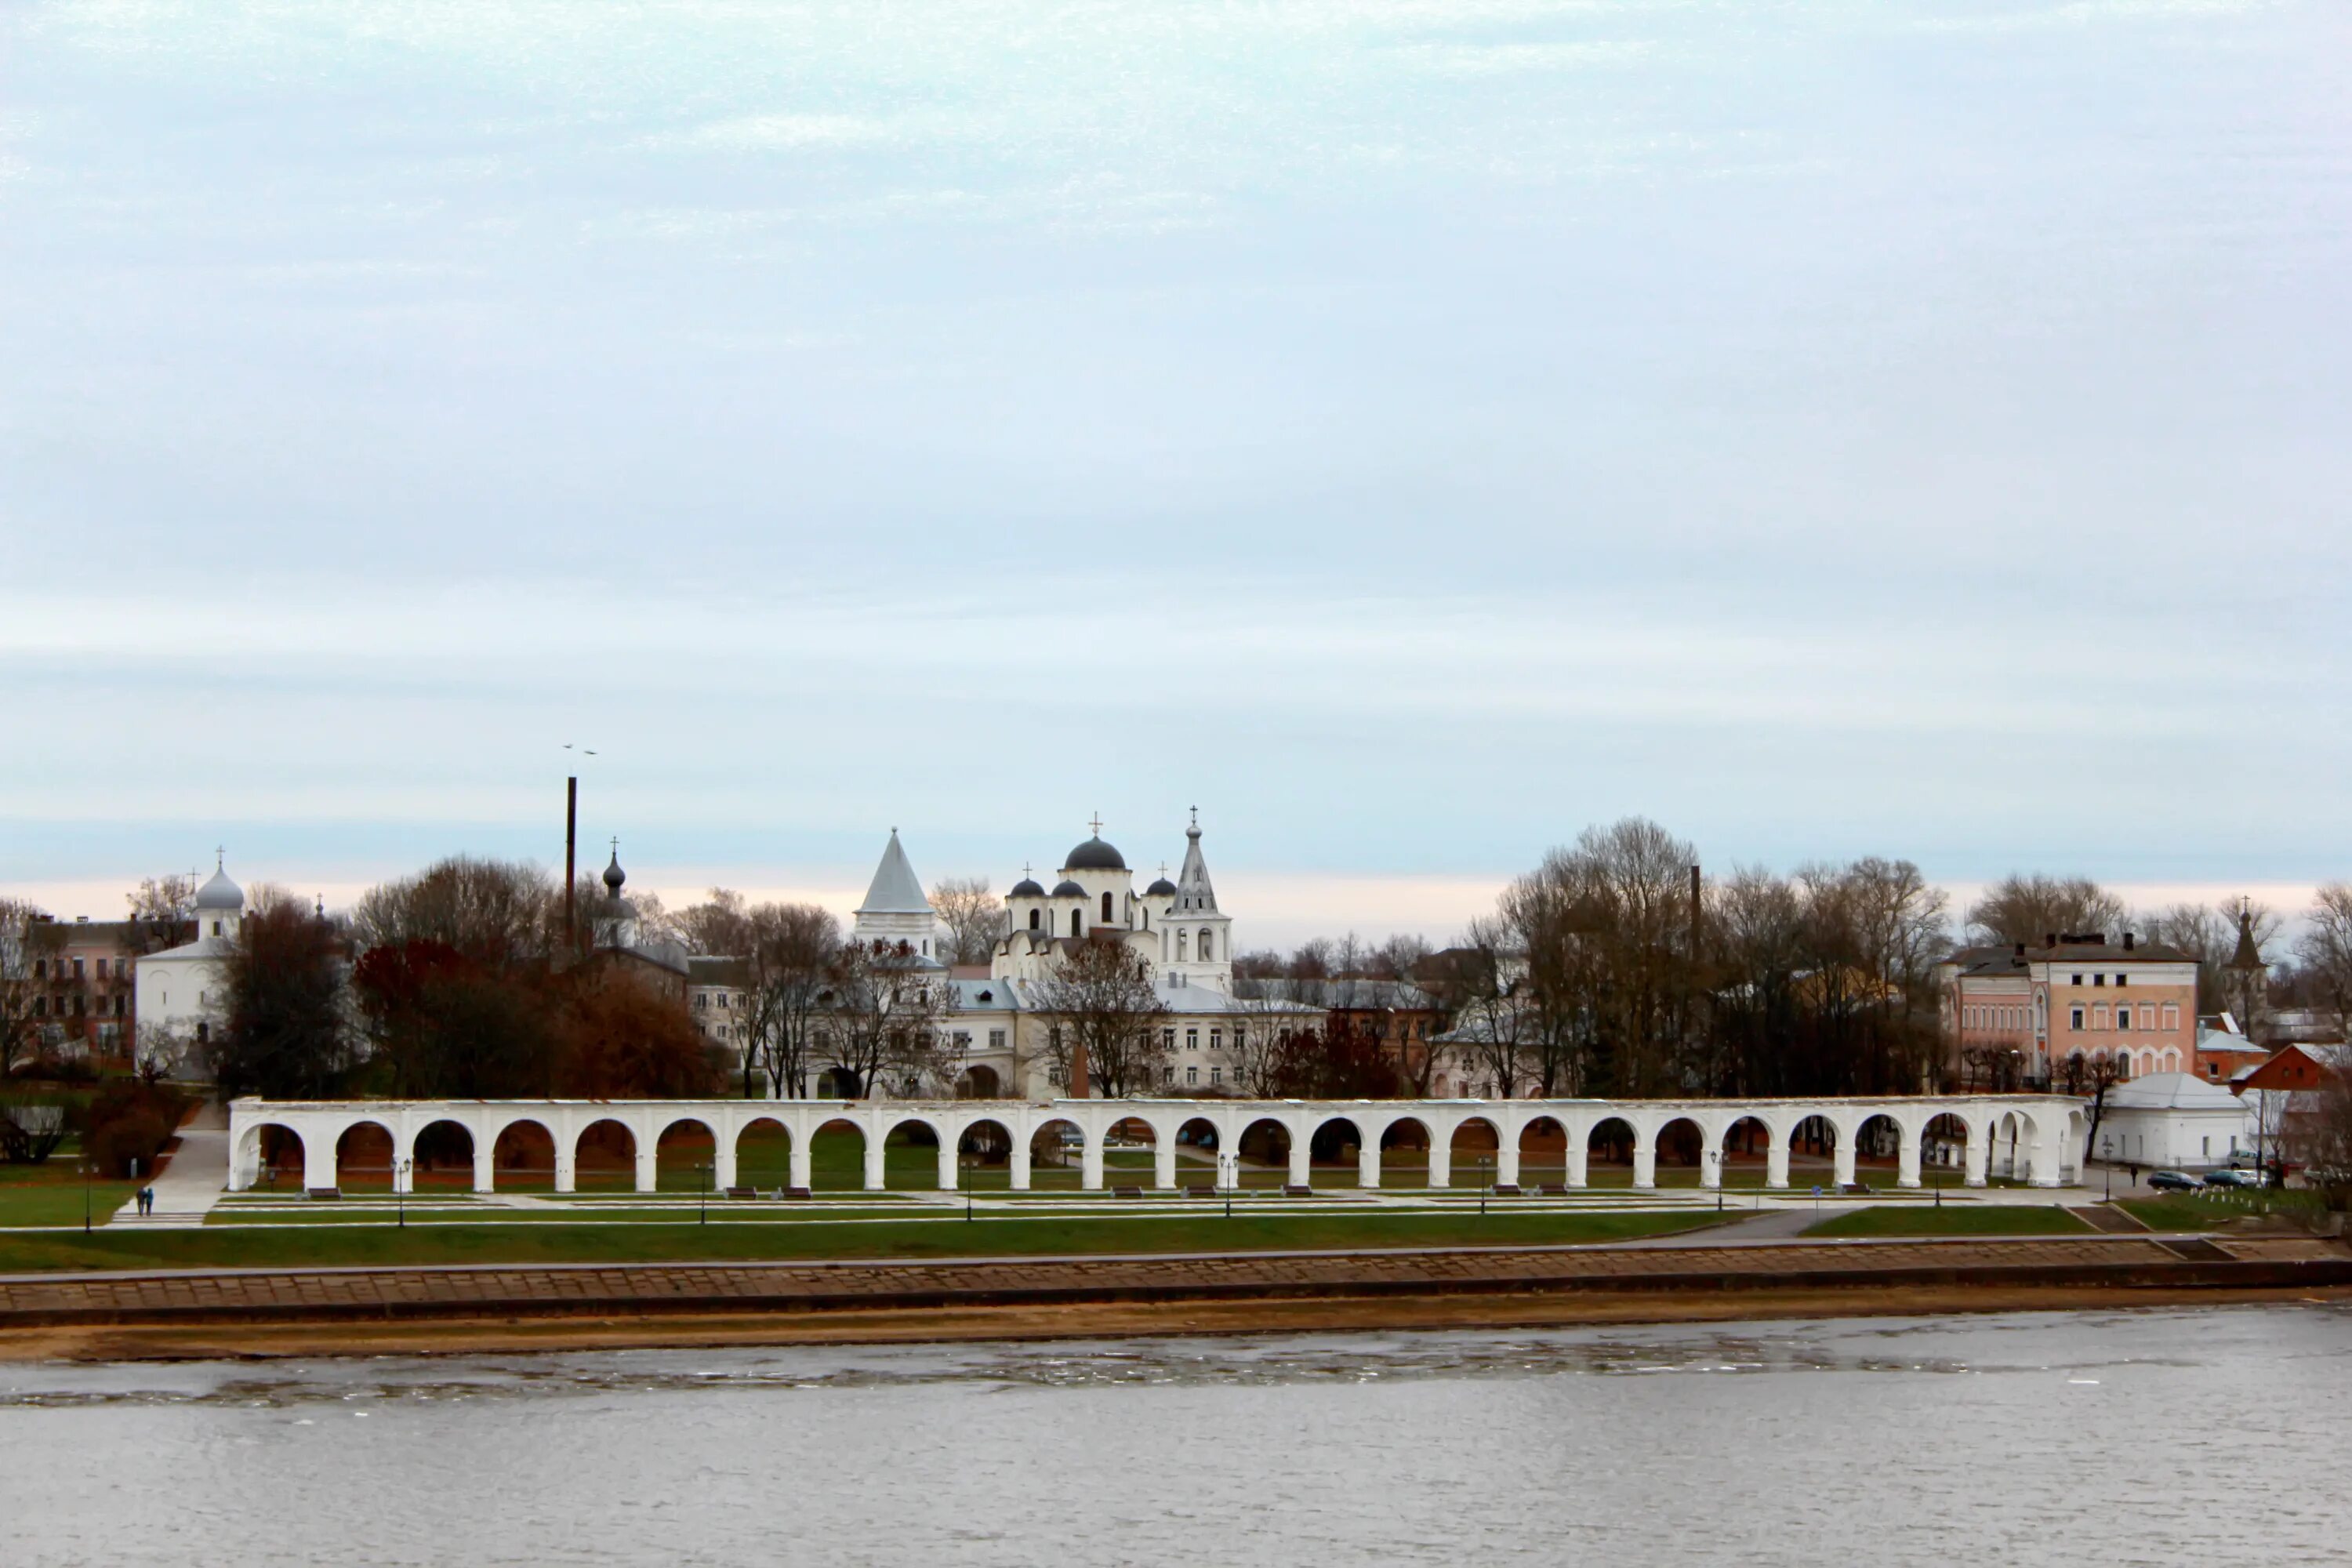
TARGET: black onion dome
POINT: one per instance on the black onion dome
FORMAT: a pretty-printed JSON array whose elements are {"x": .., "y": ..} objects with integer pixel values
[
  {"x": 1095, "y": 854},
  {"x": 1161, "y": 888},
  {"x": 1027, "y": 888},
  {"x": 1065, "y": 888}
]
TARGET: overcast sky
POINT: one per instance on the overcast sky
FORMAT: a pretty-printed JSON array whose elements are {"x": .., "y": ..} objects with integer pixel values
[{"x": 1408, "y": 429}]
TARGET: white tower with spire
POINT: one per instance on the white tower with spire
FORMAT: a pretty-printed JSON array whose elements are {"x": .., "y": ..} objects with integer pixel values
[
  {"x": 895, "y": 910},
  {"x": 1196, "y": 938}
]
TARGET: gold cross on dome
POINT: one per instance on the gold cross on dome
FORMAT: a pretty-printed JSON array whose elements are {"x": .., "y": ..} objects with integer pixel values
[{"x": 1097, "y": 825}]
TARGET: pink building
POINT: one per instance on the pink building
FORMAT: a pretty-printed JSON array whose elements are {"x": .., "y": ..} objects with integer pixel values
[{"x": 2019, "y": 1011}]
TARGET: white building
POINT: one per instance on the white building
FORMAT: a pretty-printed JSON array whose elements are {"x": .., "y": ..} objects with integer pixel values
[
  {"x": 180, "y": 991},
  {"x": 2175, "y": 1120},
  {"x": 997, "y": 1022}
]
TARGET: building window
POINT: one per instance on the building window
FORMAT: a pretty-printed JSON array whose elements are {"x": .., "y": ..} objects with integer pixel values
[
  {"x": 1182, "y": 951},
  {"x": 1074, "y": 923},
  {"x": 1216, "y": 1039},
  {"x": 2074, "y": 1017},
  {"x": 1106, "y": 909},
  {"x": 1191, "y": 1075},
  {"x": 1193, "y": 1039},
  {"x": 1208, "y": 947},
  {"x": 2098, "y": 1018},
  {"x": 1240, "y": 1035},
  {"x": 1167, "y": 1039},
  {"x": 1032, "y": 918},
  {"x": 2098, "y": 980},
  {"x": 2078, "y": 980},
  {"x": 2123, "y": 979},
  {"x": 2172, "y": 1016},
  {"x": 1216, "y": 1077},
  {"x": 77, "y": 969},
  {"x": 995, "y": 1039},
  {"x": 2123, "y": 1018}
]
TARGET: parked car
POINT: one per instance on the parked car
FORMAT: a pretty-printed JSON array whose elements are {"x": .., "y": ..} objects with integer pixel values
[
  {"x": 2235, "y": 1179},
  {"x": 2173, "y": 1181}
]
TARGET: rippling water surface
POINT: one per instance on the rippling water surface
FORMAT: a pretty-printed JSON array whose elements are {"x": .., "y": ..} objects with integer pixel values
[{"x": 2147, "y": 1438}]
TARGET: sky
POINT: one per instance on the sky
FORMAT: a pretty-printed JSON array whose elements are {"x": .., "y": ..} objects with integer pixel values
[{"x": 1408, "y": 430}]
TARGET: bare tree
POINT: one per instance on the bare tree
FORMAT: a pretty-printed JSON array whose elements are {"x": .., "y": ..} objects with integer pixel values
[
  {"x": 20, "y": 1009},
  {"x": 1104, "y": 1030},
  {"x": 1487, "y": 1010},
  {"x": 2325, "y": 948},
  {"x": 880, "y": 1028},
  {"x": 2031, "y": 908},
  {"x": 790, "y": 957},
  {"x": 974, "y": 917},
  {"x": 163, "y": 911},
  {"x": 721, "y": 924},
  {"x": 1268, "y": 1016},
  {"x": 2325, "y": 1135}
]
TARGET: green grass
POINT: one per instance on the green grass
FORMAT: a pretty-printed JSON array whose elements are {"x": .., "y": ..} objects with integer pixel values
[
  {"x": 294, "y": 1246},
  {"x": 2209, "y": 1211},
  {"x": 51, "y": 1193},
  {"x": 1952, "y": 1219}
]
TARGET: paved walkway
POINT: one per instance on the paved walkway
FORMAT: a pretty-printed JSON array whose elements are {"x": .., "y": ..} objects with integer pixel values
[
  {"x": 488, "y": 1289},
  {"x": 195, "y": 1176}
]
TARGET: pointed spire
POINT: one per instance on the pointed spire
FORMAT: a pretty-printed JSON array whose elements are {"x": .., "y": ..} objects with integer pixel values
[
  {"x": 896, "y": 890},
  {"x": 1193, "y": 894},
  {"x": 2248, "y": 958},
  {"x": 613, "y": 874}
]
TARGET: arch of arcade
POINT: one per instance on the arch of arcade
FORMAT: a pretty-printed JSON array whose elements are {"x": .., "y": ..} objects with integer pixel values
[{"x": 2039, "y": 1136}]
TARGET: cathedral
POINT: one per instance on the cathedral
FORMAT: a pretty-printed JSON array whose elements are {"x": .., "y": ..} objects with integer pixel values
[{"x": 994, "y": 1021}]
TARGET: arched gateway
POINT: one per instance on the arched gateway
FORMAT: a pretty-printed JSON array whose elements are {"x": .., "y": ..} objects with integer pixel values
[{"x": 2034, "y": 1134}]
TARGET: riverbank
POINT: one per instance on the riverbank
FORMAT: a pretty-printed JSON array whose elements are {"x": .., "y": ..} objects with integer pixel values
[{"x": 277, "y": 1312}]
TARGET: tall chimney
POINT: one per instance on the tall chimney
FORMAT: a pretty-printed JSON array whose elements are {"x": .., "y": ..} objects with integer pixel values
[{"x": 571, "y": 847}]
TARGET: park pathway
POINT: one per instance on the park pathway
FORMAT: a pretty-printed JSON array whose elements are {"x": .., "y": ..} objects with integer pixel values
[{"x": 195, "y": 1176}]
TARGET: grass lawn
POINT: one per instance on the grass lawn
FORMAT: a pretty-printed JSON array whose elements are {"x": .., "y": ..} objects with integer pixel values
[
  {"x": 298, "y": 1246},
  {"x": 1952, "y": 1219},
  {"x": 51, "y": 1193},
  {"x": 2209, "y": 1211}
]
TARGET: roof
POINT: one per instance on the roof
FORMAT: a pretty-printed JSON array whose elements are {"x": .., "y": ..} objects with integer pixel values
[
  {"x": 1094, "y": 855},
  {"x": 1347, "y": 993},
  {"x": 1162, "y": 888},
  {"x": 1193, "y": 894},
  {"x": 1067, "y": 889},
  {"x": 708, "y": 969},
  {"x": 2007, "y": 955},
  {"x": 220, "y": 893},
  {"x": 896, "y": 890},
  {"x": 2172, "y": 1091},
  {"x": 1027, "y": 888}
]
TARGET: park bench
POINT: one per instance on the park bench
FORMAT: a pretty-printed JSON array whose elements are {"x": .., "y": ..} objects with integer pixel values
[
  {"x": 792, "y": 1191},
  {"x": 1197, "y": 1191},
  {"x": 1506, "y": 1189},
  {"x": 1291, "y": 1190},
  {"x": 741, "y": 1192},
  {"x": 1127, "y": 1191},
  {"x": 320, "y": 1195},
  {"x": 1553, "y": 1190}
]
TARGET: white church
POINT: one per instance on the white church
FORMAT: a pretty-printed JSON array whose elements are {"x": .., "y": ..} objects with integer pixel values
[
  {"x": 996, "y": 1022},
  {"x": 180, "y": 991}
]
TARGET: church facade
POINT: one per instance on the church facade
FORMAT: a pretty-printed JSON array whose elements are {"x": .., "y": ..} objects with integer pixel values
[{"x": 996, "y": 1026}]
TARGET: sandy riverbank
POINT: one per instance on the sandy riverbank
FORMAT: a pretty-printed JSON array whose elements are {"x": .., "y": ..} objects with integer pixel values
[{"x": 1087, "y": 1320}]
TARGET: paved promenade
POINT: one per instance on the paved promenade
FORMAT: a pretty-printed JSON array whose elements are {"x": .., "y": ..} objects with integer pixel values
[{"x": 484, "y": 1290}]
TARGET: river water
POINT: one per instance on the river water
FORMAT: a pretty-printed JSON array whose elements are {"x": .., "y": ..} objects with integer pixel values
[{"x": 2208, "y": 1437}]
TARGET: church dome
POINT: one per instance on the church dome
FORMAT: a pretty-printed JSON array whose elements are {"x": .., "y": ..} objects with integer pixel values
[
  {"x": 1162, "y": 888},
  {"x": 1065, "y": 888},
  {"x": 1027, "y": 888},
  {"x": 1095, "y": 854},
  {"x": 220, "y": 893}
]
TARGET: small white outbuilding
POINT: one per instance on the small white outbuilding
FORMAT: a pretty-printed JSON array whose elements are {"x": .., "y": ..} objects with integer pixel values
[{"x": 2174, "y": 1120}]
